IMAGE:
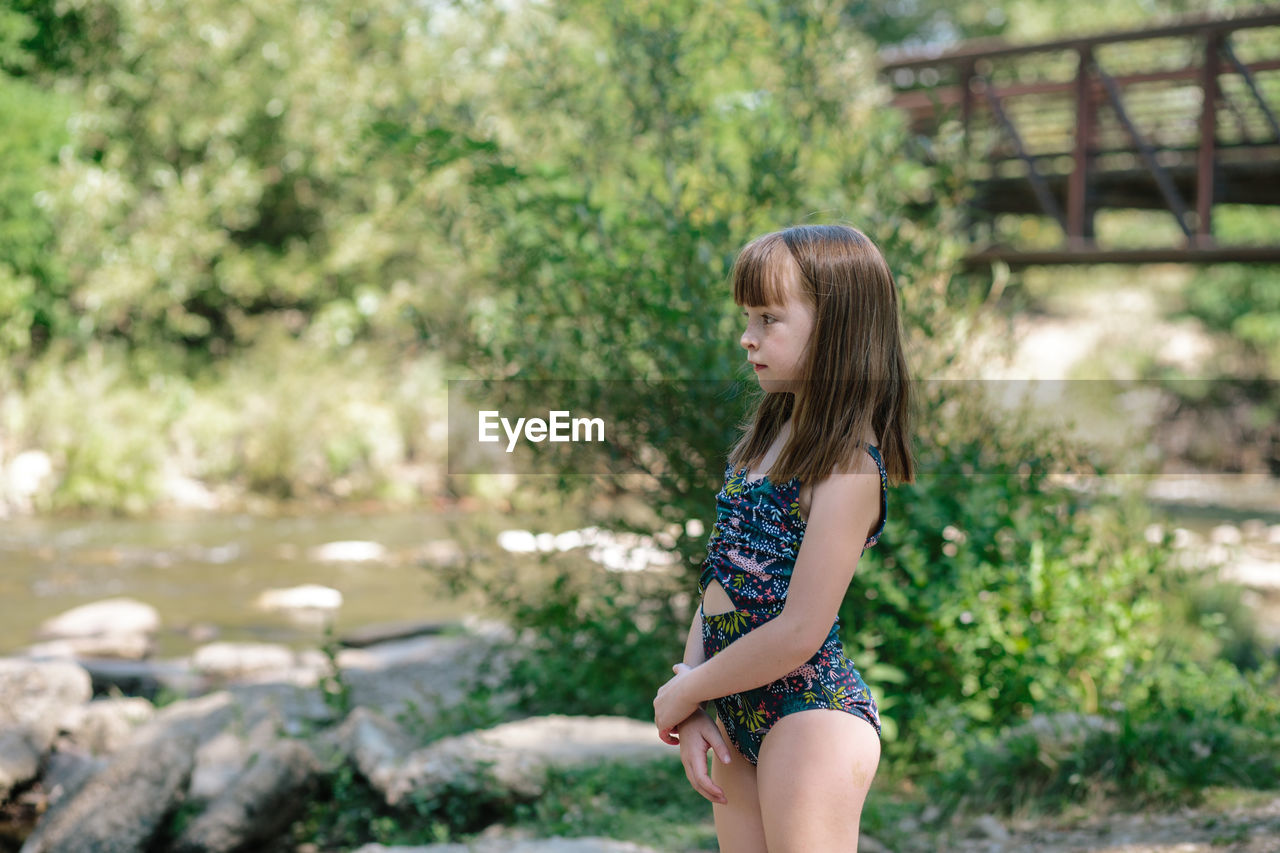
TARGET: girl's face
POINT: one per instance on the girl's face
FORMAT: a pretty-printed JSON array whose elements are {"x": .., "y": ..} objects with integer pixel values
[{"x": 776, "y": 337}]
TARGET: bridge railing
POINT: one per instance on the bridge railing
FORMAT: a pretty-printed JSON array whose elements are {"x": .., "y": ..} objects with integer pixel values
[{"x": 1177, "y": 117}]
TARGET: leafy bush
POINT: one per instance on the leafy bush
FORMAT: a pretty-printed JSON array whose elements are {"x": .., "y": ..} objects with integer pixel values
[
  {"x": 1179, "y": 729},
  {"x": 996, "y": 588},
  {"x": 1243, "y": 302}
]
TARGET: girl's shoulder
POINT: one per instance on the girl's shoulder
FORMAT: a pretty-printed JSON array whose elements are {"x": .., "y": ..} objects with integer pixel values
[{"x": 863, "y": 484}]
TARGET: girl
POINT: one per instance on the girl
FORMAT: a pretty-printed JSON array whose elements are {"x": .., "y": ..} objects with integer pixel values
[{"x": 804, "y": 495}]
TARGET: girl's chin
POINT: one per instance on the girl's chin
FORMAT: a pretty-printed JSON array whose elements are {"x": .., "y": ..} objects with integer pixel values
[{"x": 770, "y": 386}]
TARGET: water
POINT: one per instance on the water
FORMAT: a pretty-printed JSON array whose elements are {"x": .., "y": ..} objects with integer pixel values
[
  {"x": 203, "y": 574},
  {"x": 207, "y": 572}
]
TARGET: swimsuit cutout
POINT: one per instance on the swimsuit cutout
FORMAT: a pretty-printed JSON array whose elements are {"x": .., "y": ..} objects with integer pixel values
[{"x": 751, "y": 554}]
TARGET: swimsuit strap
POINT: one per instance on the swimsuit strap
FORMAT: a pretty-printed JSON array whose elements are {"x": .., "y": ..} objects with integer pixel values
[{"x": 884, "y": 500}]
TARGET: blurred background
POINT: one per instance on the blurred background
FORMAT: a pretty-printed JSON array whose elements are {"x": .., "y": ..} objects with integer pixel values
[{"x": 245, "y": 246}]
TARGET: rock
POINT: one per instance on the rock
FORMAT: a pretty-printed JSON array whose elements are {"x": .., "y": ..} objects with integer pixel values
[
  {"x": 218, "y": 761},
  {"x": 260, "y": 804},
  {"x": 989, "y": 826},
  {"x": 143, "y": 678},
  {"x": 104, "y": 725},
  {"x": 514, "y": 757},
  {"x": 1058, "y": 735},
  {"x": 102, "y": 618},
  {"x": 440, "y": 552},
  {"x": 1225, "y": 534},
  {"x": 305, "y": 597},
  {"x": 424, "y": 672},
  {"x": 540, "y": 845},
  {"x": 26, "y": 476},
  {"x": 198, "y": 719},
  {"x": 518, "y": 541},
  {"x": 370, "y": 635},
  {"x": 184, "y": 492},
  {"x": 349, "y": 552},
  {"x": 19, "y": 759},
  {"x": 36, "y": 694},
  {"x": 421, "y": 848},
  {"x": 1252, "y": 571},
  {"x": 1254, "y": 529},
  {"x": 230, "y": 660},
  {"x": 226, "y": 755},
  {"x": 122, "y": 806},
  {"x": 371, "y": 742},
  {"x": 66, "y": 771},
  {"x": 111, "y": 646}
]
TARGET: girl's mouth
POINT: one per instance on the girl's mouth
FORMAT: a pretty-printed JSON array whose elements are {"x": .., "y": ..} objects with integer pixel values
[{"x": 759, "y": 367}]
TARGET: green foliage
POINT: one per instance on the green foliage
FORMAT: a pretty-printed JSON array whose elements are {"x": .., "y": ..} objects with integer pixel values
[
  {"x": 992, "y": 590},
  {"x": 227, "y": 167},
  {"x": 707, "y": 127},
  {"x": 1178, "y": 730},
  {"x": 334, "y": 689},
  {"x": 287, "y": 421},
  {"x": 56, "y": 38},
  {"x": 592, "y": 641},
  {"x": 648, "y": 803},
  {"x": 347, "y": 812},
  {"x": 32, "y": 129},
  {"x": 1243, "y": 302},
  {"x": 651, "y": 804},
  {"x": 481, "y": 708}
]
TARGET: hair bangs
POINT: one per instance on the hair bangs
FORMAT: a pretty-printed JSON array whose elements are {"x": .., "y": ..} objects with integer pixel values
[{"x": 761, "y": 272}]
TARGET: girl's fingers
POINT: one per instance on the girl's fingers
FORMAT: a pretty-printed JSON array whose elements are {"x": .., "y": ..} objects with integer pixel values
[
  {"x": 707, "y": 788},
  {"x": 695, "y": 770},
  {"x": 717, "y": 743}
]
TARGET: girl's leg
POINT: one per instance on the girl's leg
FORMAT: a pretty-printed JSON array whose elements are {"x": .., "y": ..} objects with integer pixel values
[
  {"x": 738, "y": 825},
  {"x": 815, "y": 769}
]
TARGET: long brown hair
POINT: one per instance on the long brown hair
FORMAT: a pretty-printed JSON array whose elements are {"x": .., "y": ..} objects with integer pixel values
[{"x": 854, "y": 371}]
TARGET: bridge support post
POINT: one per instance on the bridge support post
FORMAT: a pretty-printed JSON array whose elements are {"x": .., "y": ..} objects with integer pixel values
[
  {"x": 1079, "y": 216},
  {"x": 1206, "y": 157},
  {"x": 966, "y": 70}
]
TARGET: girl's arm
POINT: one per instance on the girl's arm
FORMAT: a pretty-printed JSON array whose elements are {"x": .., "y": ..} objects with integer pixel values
[
  {"x": 844, "y": 508},
  {"x": 693, "y": 652},
  {"x": 693, "y": 656}
]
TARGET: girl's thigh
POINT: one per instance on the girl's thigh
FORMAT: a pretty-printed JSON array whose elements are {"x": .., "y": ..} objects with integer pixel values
[
  {"x": 815, "y": 769},
  {"x": 738, "y": 824}
]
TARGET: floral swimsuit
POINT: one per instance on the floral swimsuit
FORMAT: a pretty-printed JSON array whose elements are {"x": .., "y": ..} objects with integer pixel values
[{"x": 751, "y": 553}]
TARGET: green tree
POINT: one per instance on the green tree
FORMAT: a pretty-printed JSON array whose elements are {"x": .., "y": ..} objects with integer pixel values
[{"x": 32, "y": 130}]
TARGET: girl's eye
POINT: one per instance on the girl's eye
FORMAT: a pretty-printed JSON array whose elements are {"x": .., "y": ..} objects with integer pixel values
[{"x": 768, "y": 319}]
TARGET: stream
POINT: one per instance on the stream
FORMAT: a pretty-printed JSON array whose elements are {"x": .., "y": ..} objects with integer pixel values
[{"x": 205, "y": 573}]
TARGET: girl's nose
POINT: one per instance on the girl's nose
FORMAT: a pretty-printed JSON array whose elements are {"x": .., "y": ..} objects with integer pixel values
[{"x": 747, "y": 341}]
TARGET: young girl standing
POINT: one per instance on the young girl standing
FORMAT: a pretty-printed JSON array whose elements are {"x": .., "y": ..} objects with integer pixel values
[{"x": 804, "y": 496}]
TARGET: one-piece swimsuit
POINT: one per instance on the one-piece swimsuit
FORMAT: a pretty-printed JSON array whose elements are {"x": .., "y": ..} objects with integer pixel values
[{"x": 751, "y": 553}]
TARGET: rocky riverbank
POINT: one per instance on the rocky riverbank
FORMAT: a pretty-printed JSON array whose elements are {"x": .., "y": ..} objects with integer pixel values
[{"x": 88, "y": 761}]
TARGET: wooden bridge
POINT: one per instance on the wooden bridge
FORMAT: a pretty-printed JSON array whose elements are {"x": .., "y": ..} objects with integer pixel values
[{"x": 1180, "y": 117}]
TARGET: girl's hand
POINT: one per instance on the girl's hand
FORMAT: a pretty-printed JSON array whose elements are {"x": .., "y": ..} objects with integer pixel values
[
  {"x": 672, "y": 705},
  {"x": 698, "y": 734},
  {"x": 669, "y": 735}
]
